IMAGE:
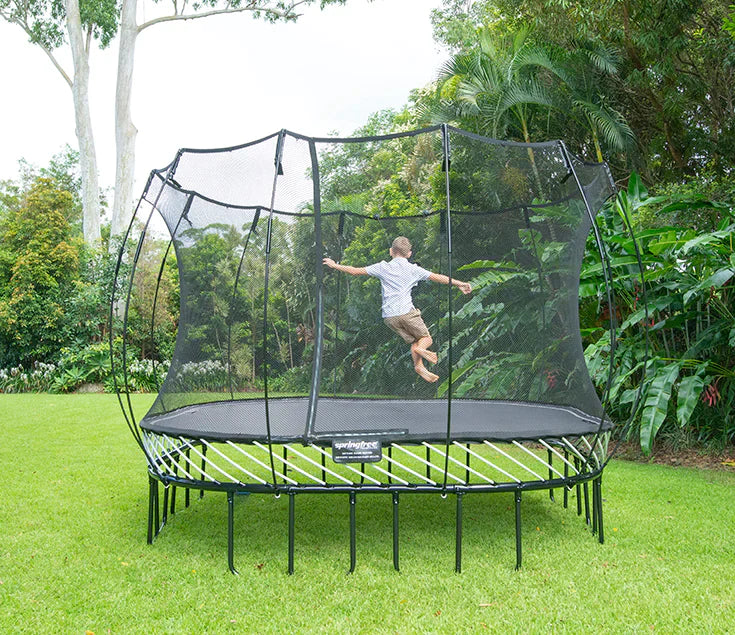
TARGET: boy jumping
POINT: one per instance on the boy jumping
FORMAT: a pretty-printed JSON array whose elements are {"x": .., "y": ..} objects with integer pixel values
[{"x": 397, "y": 278}]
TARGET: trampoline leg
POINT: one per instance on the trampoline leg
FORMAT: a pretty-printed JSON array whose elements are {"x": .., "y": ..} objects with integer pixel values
[
  {"x": 566, "y": 477},
  {"x": 601, "y": 534},
  {"x": 173, "y": 499},
  {"x": 231, "y": 532},
  {"x": 518, "y": 529},
  {"x": 579, "y": 489},
  {"x": 458, "y": 536},
  {"x": 152, "y": 502},
  {"x": 595, "y": 504},
  {"x": 550, "y": 459},
  {"x": 186, "y": 496},
  {"x": 467, "y": 464},
  {"x": 353, "y": 550},
  {"x": 586, "y": 502},
  {"x": 156, "y": 512},
  {"x": 291, "y": 529},
  {"x": 204, "y": 465},
  {"x": 395, "y": 531},
  {"x": 165, "y": 507}
]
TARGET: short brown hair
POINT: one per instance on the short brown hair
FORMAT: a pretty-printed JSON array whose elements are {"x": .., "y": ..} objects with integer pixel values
[{"x": 401, "y": 246}]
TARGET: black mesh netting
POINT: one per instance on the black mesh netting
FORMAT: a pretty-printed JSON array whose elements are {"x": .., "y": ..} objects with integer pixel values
[{"x": 253, "y": 337}]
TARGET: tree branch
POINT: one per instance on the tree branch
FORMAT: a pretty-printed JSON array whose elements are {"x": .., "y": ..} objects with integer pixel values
[
  {"x": 44, "y": 48},
  {"x": 58, "y": 66},
  {"x": 251, "y": 6}
]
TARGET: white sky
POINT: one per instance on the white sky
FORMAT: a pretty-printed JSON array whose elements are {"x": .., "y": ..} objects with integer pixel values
[{"x": 223, "y": 81}]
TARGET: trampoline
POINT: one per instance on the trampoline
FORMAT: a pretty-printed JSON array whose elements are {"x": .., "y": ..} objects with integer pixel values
[{"x": 276, "y": 374}]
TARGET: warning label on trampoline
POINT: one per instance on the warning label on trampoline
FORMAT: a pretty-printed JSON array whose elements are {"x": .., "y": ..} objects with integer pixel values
[{"x": 357, "y": 451}]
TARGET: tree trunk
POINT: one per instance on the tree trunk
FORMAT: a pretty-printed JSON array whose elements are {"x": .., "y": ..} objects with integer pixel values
[
  {"x": 125, "y": 131},
  {"x": 83, "y": 123}
]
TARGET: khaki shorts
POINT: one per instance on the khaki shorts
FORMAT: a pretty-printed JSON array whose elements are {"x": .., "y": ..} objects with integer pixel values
[{"x": 409, "y": 326}]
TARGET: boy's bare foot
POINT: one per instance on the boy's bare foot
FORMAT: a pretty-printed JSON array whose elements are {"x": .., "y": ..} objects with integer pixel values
[
  {"x": 425, "y": 374},
  {"x": 429, "y": 356}
]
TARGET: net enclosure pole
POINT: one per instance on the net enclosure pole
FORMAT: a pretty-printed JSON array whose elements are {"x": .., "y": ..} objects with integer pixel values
[
  {"x": 132, "y": 423},
  {"x": 446, "y": 164},
  {"x": 319, "y": 335},
  {"x": 268, "y": 241},
  {"x": 607, "y": 276}
]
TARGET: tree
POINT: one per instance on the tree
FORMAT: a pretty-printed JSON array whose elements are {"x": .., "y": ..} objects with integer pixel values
[
  {"x": 675, "y": 85},
  {"x": 125, "y": 131},
  {"x": 48, "y": 23},
  {"x": 499, "y": 84},
  {"x": 40, "y": 259}
]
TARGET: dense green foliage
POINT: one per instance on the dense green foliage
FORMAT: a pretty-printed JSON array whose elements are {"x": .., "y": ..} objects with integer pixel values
[
  {"x": 686, "y": 354},
  {"x": 672, "y": 81},
  {"x": 649, "y": 86}
]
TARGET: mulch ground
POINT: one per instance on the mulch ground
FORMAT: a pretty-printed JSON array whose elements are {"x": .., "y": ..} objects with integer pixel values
[{"x": 679, "y": 457}]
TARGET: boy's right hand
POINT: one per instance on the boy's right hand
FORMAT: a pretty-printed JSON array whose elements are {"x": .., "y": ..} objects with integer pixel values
[{"x": 329, "y": 262}]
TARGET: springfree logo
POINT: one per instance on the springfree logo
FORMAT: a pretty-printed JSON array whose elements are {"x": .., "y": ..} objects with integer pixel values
[{"x": 357, "y": 451}]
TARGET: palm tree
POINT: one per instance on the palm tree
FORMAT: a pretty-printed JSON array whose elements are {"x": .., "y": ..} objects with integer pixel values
[
  {"x": 504, "y": 84},
  {"x": 500, "y": 87},
  {"x": 586, "y": 70}
]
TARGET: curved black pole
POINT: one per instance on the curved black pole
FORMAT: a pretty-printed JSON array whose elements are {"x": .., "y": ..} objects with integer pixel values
[
  {"x": 319, "y": 270},
  {"x": 607, "y": 275},
  {"x": 450, "y": 363},
  {"x": 269, "y": 235},
  {"x": 131, "y": 422},
  {"x": 183, "y": 215}
]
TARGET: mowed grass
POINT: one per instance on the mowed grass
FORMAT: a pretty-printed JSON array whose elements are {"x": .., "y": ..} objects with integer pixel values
[{"x": 73, "y": 555}]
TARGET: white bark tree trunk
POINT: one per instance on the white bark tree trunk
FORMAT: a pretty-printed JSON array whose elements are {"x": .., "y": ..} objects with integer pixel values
[
  {"x": 83, "y": 121},
  {"x": 125, "y": 131}
]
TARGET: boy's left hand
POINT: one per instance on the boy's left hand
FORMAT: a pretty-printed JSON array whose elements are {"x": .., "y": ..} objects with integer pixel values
[{"x": 465, "y": 287}]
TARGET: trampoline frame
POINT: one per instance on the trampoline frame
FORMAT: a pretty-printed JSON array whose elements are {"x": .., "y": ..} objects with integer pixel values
[{"x": 197, "y": 463}]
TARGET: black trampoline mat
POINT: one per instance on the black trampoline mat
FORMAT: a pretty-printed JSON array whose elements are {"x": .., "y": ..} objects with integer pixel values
[{"x": 392, "y": 420}]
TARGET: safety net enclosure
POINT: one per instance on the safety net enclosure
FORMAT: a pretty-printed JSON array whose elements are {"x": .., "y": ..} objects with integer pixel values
[{"x": 262, "y": 353}]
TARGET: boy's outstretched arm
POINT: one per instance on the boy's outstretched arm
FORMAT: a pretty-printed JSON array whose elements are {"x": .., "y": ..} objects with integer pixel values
[
  {"x": 353, "y": 271},
  {"x": 464, "y": 287}
]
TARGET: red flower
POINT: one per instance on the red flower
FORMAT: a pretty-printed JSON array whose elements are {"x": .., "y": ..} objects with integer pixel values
[{"x": 710, "y": 395}]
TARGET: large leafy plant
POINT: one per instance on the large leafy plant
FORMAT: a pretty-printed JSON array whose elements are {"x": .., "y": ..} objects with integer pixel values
[{"x": 673, "y": 357}]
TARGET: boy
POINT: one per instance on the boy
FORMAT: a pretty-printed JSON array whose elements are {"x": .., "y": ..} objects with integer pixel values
[{"x": 397, "y": 278}]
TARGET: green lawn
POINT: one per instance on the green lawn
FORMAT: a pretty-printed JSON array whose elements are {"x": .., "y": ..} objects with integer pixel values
[{"x": 73, "y": 555}]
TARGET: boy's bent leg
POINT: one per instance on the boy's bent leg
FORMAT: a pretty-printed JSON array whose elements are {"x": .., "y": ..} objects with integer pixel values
[
  {"x": 418, "y": 365},
  {"x": 422, "y": 348}
]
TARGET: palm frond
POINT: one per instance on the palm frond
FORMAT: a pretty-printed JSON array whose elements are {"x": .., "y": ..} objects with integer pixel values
[{"x": 609, "y": 123}]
